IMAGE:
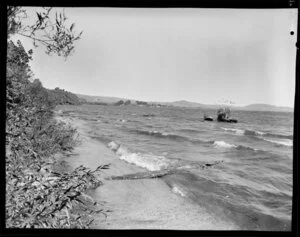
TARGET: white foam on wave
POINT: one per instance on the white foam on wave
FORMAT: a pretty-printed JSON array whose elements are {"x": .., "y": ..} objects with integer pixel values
[
  {"x": 283, "y": 142},
  {"x": 147, "y": 161},
  {"x": 177, "y": 190},
  {"x": 235, "y": 130},
  {"x": 113, "y": 146},
  {"x": 222, "y": 144},
  {"x": 259, "y": 133},
  {"x": 244, "y": 132},
  {"x": 154, "y": 132},
  {"x": 185, "y": 167}
]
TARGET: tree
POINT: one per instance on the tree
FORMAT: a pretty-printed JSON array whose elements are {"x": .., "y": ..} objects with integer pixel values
[
  {"x": 58, "y": 37},
  {"x": 18, "y": 74},
  {"x": 120, "y": 102},
  {"x": 127, "y": 102}
]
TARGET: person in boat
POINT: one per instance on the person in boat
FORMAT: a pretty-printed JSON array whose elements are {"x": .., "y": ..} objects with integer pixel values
[{"x": 223, "y": 114}]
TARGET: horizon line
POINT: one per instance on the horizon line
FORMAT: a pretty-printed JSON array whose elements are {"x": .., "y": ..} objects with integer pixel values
[{"x": 122, "y": 98}]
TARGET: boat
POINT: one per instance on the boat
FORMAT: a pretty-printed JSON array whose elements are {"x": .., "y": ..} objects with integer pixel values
[
  {"x": 208, "y": 118},
  {"x": 223, "y": 116},
  {"x": 229, "y": 120}
]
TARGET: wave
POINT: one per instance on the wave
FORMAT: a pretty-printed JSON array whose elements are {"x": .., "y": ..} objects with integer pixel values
[
  {"x": 291, "y": 137},
  {"x": 256, "y": 133},
  {"x": 100, "y": 139},
  {"x": 218, "y": 144},
  {"x": 240, "y": 147},
  {"x": 155, "y": 162},
  {"x": 177, "y": 190},
  {"x": 189, "y": 130},
  {"x": 147, "y": 161},
  {"x": 235, "y": 130},
  {"x": 244, "y": 132},
  {"x": 185, "y": 167},
  {"x": 222, "y": 144},
  {"x": 286, "y": 142},
  {"x": 173, "y": 137},
  {"x": 162, "y": 135}
]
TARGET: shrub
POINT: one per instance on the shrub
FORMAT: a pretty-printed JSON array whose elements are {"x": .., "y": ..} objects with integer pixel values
[
  {"x": 36, "y": 196},
  {"x": 120, "y": 102},
  {"x": 127, "y": 102}
]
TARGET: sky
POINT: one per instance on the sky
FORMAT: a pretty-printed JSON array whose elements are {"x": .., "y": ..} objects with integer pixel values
[{"x": 202, "y": 55}]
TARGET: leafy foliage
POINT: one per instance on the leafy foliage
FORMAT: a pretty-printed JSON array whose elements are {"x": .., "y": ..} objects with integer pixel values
[
  {"x": 121, "y": 102},
  {"x": 60, "y": 96},
  {"x": 36, "y": 196},
  {"x": 127, "y": 102},
  {"x": 141, "y": 103},
  {"x": 56, "y": 35},
  {"x": 83, "y": 101},
  {"x": 46, "y": 200}
]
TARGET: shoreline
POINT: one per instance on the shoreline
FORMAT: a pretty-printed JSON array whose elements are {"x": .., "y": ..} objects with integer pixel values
[{"x": 135, "y": 204}]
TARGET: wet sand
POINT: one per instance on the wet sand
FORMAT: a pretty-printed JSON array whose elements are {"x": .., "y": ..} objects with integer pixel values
[{"x": 136, "y": 204}]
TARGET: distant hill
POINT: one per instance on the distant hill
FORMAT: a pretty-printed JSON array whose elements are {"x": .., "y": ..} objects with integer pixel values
[
  {"x": 267, "y": 107},
  {"x": 251, "y": 107},
  {"x": 183, "y": 103},
  {"x": 188, "y": 104}
]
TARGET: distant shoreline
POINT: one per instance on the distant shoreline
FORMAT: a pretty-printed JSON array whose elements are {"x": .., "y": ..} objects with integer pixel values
[
  {"x": 103, "y": 100},
  {"x": 174, "y": 106}
]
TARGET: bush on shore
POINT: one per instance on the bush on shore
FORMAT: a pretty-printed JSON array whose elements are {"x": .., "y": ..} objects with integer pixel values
[{"x": 36, "y": 196}]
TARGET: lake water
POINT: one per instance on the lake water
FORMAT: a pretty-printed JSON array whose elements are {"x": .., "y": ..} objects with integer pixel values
[{"x": 250, "y": 187}]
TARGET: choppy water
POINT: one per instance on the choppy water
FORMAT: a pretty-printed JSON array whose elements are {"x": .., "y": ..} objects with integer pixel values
[{"x": 252, "y": 187}]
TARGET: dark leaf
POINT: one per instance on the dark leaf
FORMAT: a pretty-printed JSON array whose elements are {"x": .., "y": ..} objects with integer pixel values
[
  {"x": 71, "y": 28},
  {"x": 39, "y": 16},
  {"x": 78, "y": 200}
]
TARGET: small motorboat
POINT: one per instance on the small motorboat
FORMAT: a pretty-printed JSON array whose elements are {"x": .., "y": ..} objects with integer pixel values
[{"x": 208, "y": 118}]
